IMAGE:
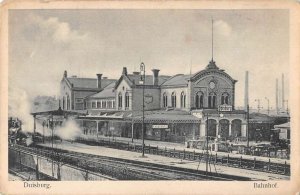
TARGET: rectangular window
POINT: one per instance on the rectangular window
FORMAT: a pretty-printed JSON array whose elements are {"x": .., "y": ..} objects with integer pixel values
[
  {"x": 93, "y": 104},
  {"x": 79, "y": 100},
  {"x": 98, "y": 104},
  {"x": 109, "y": 104}
]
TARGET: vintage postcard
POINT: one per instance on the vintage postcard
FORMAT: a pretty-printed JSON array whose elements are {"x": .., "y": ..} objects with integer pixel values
[{"x": 150, "y": 97}]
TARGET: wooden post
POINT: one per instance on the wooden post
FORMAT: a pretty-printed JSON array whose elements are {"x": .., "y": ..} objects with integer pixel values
[
  {"x": 132, "y": 128},
  {"x": 37, "y": 169},
  {"x": 157, "y": 149},
  {"x": 183, "y": 154},
  {"x": 20, "y": 161},
  {"x": 227, "y": 159},
  {"x": 254, "y": 163},
  {"x": 285, "y": 167},
  {"x": 58, "y": 171},
  {"x": 174, "y": 153},
  {"x": 194, "y": 155},
  {"x": 216, "y": 157},
  {"x": 269, "y": 164},
  {"x": 241, "y": 161}
]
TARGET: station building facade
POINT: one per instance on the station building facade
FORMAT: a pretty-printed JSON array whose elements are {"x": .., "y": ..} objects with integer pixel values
[{"x": 177, "y": 108}]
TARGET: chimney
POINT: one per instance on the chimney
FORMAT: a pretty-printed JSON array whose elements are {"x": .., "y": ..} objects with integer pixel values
[
  {"x": 155, "y": 76},
  {"x": 135, "y": 73},
  {"x": 99, "y": 81},
  {"x": 282, "y": 91},
  {"x": 246, "y": 91},
  {"x": 104, "y": 77},
  {"x": 124, "y": 71},
  {"x": 277, "y": 101},
  {"x": 65, "y": 74}
]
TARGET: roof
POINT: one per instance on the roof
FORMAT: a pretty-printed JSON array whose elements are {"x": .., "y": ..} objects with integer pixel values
[
  {"x": 168, "y": 118},
  {"x": 284, "y": 125},
  {"x": 89, "y": 82},
  {"x": 158, "y": 116},
  {"x": 135, "y": 79},
  {"x": 107, "y": 92},
  {"x": 179, "y": 79},
  {"x": 259, "y": 117},
  {"x": 212, "y": 68}
]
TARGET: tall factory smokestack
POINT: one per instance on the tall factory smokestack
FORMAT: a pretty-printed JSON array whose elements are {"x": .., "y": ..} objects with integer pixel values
[
  {"x": 282, "y": 91},
  {"x": 277, "y": 96},
  {"x": 246, "y": 91}
]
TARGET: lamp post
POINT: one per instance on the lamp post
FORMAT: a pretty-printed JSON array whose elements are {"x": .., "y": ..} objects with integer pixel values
[
  {"x": 206, "y": 144},
  {"x": 142, "y": 81},
  {"x": 44, "y": 123}
]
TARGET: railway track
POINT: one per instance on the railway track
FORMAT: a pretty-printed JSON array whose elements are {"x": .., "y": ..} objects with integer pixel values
[{"x": 124, "y": 169}]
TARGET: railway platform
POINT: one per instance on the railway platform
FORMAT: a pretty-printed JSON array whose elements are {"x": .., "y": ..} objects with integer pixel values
[
  {"x": 150, "y": 158},
  {"x": 180, "y": 146}
]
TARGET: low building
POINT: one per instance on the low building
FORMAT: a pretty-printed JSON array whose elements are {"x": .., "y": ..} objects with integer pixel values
[{"x": 284, "y": 131}]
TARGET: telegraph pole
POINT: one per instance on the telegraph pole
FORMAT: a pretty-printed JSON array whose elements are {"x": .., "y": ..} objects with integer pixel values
[
  {"x": 258, "y": 105},
  {"x": 268, "y": 105}
]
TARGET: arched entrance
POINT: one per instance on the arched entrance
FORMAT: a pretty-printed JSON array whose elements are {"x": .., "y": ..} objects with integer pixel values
[
  {"x": 212, "y": 127},
  {"x": 236, "y": 127},
  {"x": 224, "y": 128}
]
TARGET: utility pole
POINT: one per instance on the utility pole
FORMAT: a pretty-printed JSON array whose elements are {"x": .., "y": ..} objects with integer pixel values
[
  {"x": 268, "y": 105},
  {"x": 248, "y": 125},
  {"x": 258, "y": 105}
]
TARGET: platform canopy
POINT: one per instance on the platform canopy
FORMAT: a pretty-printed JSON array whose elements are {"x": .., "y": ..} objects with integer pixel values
[
  {"x": 158, "y": 116},
  {"x": 58, "y": 112},
  {"x": 167, "y": 118}
]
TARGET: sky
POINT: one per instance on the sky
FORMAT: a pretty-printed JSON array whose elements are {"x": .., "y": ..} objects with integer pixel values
[{"x": 44, "y": 43}]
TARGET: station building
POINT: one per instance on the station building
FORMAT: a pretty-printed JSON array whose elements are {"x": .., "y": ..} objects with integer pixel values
[{"x": 177, "y": 108}]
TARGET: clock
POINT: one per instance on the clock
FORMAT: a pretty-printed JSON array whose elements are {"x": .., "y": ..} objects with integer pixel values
[{"x": 212, "y": 85}]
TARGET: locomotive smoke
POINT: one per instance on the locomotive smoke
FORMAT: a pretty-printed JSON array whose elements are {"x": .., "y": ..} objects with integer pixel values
[
  {"x": 19, "y": 106},
  {"x": 68, "y": 131}
]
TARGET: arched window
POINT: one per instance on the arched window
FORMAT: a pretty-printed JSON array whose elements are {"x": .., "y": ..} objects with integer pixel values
[
  {"x": 68, "y": 102},
  {"x": 212, "y": 100},
  {"x": 165, "y": 100},
  {"x": 225, "y": 98},
  {"x": 126, "y": 100},
  {"x": 173, "y": 99},
  {"x": 199, "y": 99},
  {"x": 120, "y": 100},
  {"x": 182, "y": 100},
  {"x": 63, "y": 102}
]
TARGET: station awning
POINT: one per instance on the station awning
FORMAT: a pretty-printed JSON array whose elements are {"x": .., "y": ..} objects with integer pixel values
[
  {"x": 167, "y": 118},
  {"x": 150, "y": 116}
]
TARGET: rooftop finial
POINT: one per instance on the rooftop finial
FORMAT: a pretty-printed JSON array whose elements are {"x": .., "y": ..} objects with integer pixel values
[{"x": 212, "y": 39}]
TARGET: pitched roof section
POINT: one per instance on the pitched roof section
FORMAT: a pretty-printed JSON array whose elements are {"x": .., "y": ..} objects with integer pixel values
[
  {"x": 177, "y": 80},
  {"x": 89, "y": 82},
  {"x": 135, "y": 79},
  {"x": 211, "y": 68},
  {"x": 107, "y": 92}
]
